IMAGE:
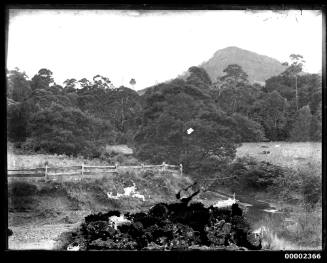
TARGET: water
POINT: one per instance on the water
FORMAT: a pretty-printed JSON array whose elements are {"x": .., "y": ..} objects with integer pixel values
[{"x": 257, "y": 211}]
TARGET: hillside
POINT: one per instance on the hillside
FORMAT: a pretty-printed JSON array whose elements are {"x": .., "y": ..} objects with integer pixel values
[{"x": 258, "y": 67}]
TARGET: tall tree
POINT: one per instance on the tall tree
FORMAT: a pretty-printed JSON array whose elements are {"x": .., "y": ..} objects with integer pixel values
[
  {"x": 301, "y": 130},
  {"x": 132, "y": 82},
  {"x": 102, "y": 82},
  {"x": 234, "y": 91},
  {"x": 198, "y": 77},
  {"x": 169, "y": 111},
  {"x": 18, "y": 87},
  {"x": 271, "y": 112},
  {"x": 293, "y": 71},
  {"x": 70, "y": 85},
  {"x": 42, "y": 79}
]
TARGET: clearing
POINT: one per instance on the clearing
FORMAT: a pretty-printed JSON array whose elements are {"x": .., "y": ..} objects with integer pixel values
[{"x": 287, "y": 154}]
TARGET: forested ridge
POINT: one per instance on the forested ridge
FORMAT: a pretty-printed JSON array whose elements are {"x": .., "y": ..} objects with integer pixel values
[{"x": 82, "y": 116}]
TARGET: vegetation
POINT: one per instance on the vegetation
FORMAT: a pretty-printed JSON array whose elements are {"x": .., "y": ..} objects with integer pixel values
[{"x": 83, "y": 116}]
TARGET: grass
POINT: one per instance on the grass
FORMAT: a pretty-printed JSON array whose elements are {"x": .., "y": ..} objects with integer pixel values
[
  {"x": 304, "y": 232},
  {"x": 22, "y": 160},
  {"x": 53, "y": 201},
  {"x": 293, "y": 155},
  {"x": 122, "y": 148},
  {"x": 305, "y": 229}
]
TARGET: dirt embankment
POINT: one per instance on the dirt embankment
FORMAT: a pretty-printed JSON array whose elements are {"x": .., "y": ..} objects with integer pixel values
[{"x": 38, "y": 211}]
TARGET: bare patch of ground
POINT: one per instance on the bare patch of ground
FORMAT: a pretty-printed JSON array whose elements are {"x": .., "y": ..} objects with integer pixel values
[{"x": 39, "y": 237}]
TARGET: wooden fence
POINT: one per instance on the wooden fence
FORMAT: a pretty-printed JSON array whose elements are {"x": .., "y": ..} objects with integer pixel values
[{"x": 81, "y": 170}]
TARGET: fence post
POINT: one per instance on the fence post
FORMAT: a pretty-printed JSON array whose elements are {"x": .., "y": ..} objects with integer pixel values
[
  {"x": 116, "y": 165},
  {"x": 46, "y": 172},
  {"x": 181, "y": 169},
  {"x": 82, "y": 169},
  {"x": 142, "y": 166},
  {"x": 163, "y": 166}
]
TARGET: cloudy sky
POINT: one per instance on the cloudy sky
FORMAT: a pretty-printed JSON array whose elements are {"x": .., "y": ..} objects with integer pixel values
[{"x": 152, "y": 46}]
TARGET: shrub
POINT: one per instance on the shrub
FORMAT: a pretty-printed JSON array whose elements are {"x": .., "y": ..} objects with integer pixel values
[
  {"x": 22, "y": 189},
  {"x": 311, "y": 190},
  {"x": 255, "y": 175}
]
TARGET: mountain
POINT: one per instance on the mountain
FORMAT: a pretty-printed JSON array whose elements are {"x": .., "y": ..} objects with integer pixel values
[{"x": 258, "y": 67}]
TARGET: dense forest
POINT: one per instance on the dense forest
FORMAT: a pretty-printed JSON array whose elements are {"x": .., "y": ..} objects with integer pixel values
[{"x": 82, "y": 116}]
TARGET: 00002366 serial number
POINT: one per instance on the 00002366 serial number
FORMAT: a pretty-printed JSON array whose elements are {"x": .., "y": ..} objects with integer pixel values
[{"x": 302, "y": 256}]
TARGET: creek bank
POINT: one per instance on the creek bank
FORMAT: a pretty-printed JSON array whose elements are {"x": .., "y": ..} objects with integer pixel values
[{"x": 165, "y": 226}]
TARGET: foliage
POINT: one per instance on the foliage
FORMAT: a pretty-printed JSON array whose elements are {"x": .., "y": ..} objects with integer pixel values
[
  {"x": 59, "y": 129},
  {"x": 42, "y": 79},
  {"x": 290, "y": 184},
  {"x": 254, "y": 175},
  {"x": 234, "y": 74},
  {"x": 232, "y": 110},
  {"x": 301, "y": 130},
  {"x": 18, "y": 87},
  {"x": 198, "y": 77},
  {"x": 48, "y": 115},
  {"x": 17, "y": 122},
  {"x": 169, "y": 111},
  {"x": 248, "y": 130},
  {"x": 270, "y": 112}
]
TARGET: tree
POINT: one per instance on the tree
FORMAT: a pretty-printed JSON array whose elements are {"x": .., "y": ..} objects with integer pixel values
[
  {"x": 198, "y": 77},
  {"x": 42, "y": 80},
  {"x": 17, "y": 122},
  {"x": 296, "y": 66},
  {"x": 123, "y": 108},
  {"x": 70, "y": 85},
  {"x": 235, "y": 74},
  {"x": 102, "y": 82},
  {"x": 132, "y": 82},
  {"x": 271, "y": 112},
  {"x": 18, "y": 87},
  {"x": 248, "y": 130},
  {"x": 234, "y": 93},
  {"x": 293, "y": 70},
  {"x": 67, "y": 130},
  {"x": 169, "y": 111},
  {"x": 85, "y": 83},
  {"x": 301, "y": 130}
]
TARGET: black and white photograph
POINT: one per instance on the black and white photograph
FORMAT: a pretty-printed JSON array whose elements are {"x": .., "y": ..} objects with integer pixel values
[{"x": 164, "y": 130}]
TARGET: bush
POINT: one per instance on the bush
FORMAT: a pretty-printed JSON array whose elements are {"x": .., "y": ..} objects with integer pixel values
[
  {"x": 311, "y": 190},
  {"x": 28, "y": 145},
  {"x": 255, "y": 175},
  {"x": 289, "y": 184},
  {"x": 22, "y": 189}
]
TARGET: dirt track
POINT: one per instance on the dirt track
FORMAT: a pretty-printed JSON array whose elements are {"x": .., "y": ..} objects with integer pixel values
[{"x": 36, "y": 236}]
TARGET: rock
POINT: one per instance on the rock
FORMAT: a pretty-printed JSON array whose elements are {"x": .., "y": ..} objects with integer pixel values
[
  {"x": 236, "y": 211},
  {"x": 9, "y": 232},
  {"x": 254, "y": 241},
  {"x": 227, "y": 228},
  {"x": 168, "y": 227}
]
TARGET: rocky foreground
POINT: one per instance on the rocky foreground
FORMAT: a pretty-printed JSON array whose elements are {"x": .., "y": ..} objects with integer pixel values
[{"x": 164, "y": 227}]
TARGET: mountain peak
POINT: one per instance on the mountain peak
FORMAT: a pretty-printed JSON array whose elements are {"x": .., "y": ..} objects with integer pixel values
[{"x": 258, "y": 67}]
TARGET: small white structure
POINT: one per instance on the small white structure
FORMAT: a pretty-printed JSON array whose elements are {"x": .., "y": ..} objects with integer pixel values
[
  {"x": 270, "y": 210},
  {"x": 226, "y": 203},
  {"x": 189, "y": 131},
  {"x": 128, "y": 191},
  {"x": 72, "y": 247},
  {"x": 116, "y": 221}
]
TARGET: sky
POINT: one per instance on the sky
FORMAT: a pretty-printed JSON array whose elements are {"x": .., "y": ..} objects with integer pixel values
[{"x": 152, "y": 46}]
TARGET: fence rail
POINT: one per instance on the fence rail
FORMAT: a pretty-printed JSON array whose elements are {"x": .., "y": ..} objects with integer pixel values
[{"x": 85, "y": 170}]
